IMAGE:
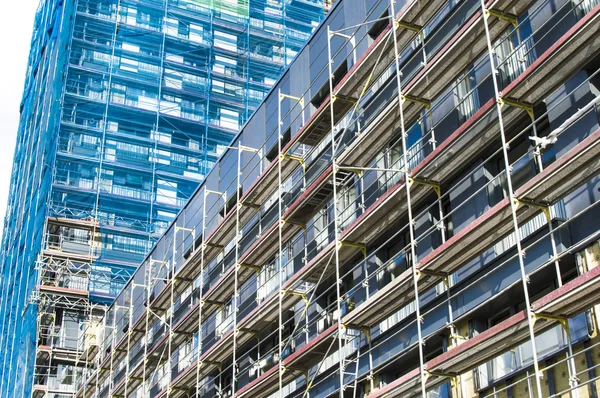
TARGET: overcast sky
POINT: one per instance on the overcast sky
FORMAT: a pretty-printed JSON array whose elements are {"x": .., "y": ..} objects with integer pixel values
[{"x": 16, "y": 24}]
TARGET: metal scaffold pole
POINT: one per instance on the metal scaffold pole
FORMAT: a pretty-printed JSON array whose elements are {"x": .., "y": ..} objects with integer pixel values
[
  {"x": 129, "y": 333},
  {"x": 512, "y": 200},
  {"x": 171, "y": 280},
  {"x": 112, "y": 345},
  {"x": 236, "y": 300},
  {"x": 340, "y": 329},
  {"x": 547, "y": 211},
  {"x": 166, "y": 264},
  {"x": 407, "y": 184},
  {"x": 221, "y": 195},
  {"x": 280, "y": 246},
  {"x": 200, "y": 303},
  {"x": 148, "y": 281},
  {"x": 86, "y": 368},
  {"x": 97, "y": 378},
  {"x": 279, "y": 263}
]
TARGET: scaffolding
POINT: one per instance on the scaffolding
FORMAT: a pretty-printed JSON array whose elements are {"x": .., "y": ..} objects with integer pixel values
[
  {"x": 127, "y": 106},
  {"x": 272, "y": 282}
]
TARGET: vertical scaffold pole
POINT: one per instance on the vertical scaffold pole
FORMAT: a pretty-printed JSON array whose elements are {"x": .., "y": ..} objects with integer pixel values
[
  {"x": 86, "y": 367},
  {"x": 573, "y": 383},
  {"x": 99, "y": 359},
  {"x": 171, "y": 280},
  {"x": 280, "y": 243},
  {"x": 112, "y": 354},
  {"x": 235, "y": 303},
  {"x": 340, "y": 328},
  {"x": 279, "y": 263},
  {"x": 407, "y": 184},
  {"x": 200, "y": 303},
  {"x": 573, "y": 380},
  {"x": 129, "y": 332},
  {"x": 512, "y": 200},
  {"x": 147, "y": 323}
]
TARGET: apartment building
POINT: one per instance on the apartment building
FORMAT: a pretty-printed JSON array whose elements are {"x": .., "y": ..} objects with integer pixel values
[{"x": 127, "y": 105}]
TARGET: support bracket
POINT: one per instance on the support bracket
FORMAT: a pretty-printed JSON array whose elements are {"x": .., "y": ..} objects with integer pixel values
[
  {"x": 522, "y": 105},
  {"x": 248, "y": 149},
  {"x": 255, "y": 268},
  {"x": 212, "y": 302},
  {"x": 358, "y": 246},
  {"x": 296, "y": 369},
  {"x": 439, "y": 274},
  {"x": 563, "y": 321},
  {"x": 296, "y": 224},
  {"x": 436, "y": 187},
  {"x": 251, "y": 205},
  {"x": 408, "y": 26},
  {"x": 545, "y": 209},
  {"x": 296, "y": 158},
  {"x": 512, "y": 19},
  {"x": 458, "y": 337},
  {"x": 416, "y": 100},
  {"x": 364, "y": 330},
  {"x": 440, "y": 374},
  {"x": 358, "y": 172},
  {"x": 213, "y": 363},
  {"x": 294, "y": 293},
  {"x": 189, "y": 334},
  {"x": 249, "y": 331},
  {"x": 347, "y": 37},
  {"x": 341, "y": 97},
  {"x": 207, "y": 191},
  {"x": 291, "y": 97}
]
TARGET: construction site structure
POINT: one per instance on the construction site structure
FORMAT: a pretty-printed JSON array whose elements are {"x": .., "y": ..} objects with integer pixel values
[
  {"x": 127, "y": 105},
  {"x": 411, "y": 212}
]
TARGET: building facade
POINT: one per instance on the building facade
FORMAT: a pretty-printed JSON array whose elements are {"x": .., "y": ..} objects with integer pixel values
[
  {"x": 412, "y": 211},
  {"x": 126, "y": 106}
]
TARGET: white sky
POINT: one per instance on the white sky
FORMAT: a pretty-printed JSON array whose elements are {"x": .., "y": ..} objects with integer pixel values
[{"x": 16, "y": 24}]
